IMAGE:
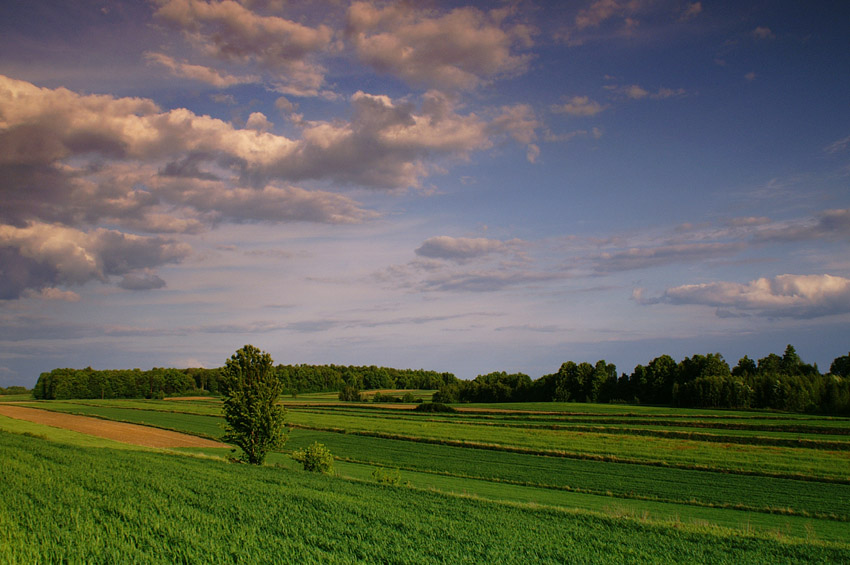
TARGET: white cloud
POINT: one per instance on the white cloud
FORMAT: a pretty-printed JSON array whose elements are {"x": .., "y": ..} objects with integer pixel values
[
  {"x": 461, "y": 49},
  {"x": 762, "y": 32},
  {"x": 51, "y": 293},
  {"x": 141, "y": 281},
  {"x": 838, "y": 146},
  {"x": 691, "y": 11},
  {"x": 230, "y": 31},
  {"x": 258, "y": 121},
  {"x": 637, "y": 92},
  {"x": 795, "y": 296},
  {"x": 199, "y": 72},
  {"x": 645, "y": 257},
  {"x": 580, "y": 106},
  {"x": 462, "y": 249},
  {"x": 829, "y": 225},
  {"x": 41, "y": 256}
]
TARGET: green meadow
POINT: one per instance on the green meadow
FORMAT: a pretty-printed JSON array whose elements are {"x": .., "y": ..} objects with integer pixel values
[{"x": 553, "y": 482}]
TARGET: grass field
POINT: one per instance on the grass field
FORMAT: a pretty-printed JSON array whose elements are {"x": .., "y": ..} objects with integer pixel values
[{"x": 577, "y": 466}]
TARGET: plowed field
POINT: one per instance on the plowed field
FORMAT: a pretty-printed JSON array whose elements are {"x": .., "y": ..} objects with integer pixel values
[{"x": 118, "y": 431}]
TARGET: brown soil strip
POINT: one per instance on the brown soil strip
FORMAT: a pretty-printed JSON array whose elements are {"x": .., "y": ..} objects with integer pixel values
[{"x": 118, "y": 431}]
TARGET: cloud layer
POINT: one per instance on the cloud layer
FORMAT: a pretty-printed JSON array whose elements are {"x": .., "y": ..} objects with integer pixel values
[
  {"x": 71, "y": 163},
  {"x": 792, "y": 296},
  {"x": 461, "y": 49}
]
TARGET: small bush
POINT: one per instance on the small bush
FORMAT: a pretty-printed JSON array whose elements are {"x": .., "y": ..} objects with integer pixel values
[
  {"x": 316, "y": 458},
  {"x": 350, "y": 394},
  {"x": 408, "y": 397},
  {"x": 387, "y": 476},
  {"x": 434, "y": 407}
]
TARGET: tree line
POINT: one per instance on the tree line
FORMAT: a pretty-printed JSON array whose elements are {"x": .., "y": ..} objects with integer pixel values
[
  {"x": 781, "y": 382},
  {"x": 161, "y": 382},
  {"x": 703, "y": 381}
]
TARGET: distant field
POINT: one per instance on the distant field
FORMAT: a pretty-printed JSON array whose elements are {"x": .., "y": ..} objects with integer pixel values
[{"x": 678, "y": 470}]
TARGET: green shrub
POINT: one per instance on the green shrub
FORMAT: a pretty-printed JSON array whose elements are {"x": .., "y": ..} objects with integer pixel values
[
  {"x": 316, "y": 458},
  {"x": 350, "y": 393},
  {"x": 387, "y": 476},
  {"x": 434, "y": 407}
]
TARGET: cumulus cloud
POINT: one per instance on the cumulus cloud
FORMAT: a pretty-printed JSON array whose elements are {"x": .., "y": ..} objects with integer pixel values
[
  {"x": 461, "y": 49},
  {"x": 605, "y": 19},
  {"x": 76, "y": 162},
  {"x": 269, "y": 204},
  {"x": 637, "y": 92},
  {"x": 462, "y": 249},
  {"x": 762, "y": 32},
  {"x": 229, "y": 31},
  {"x": 42, "y": 256},
  {"x": 691, "y": 11},
  {"x": 198, "y": 72},
  {"x": 794, "y": 296},
  {"x": 388, "y": 143},
  {"x": 141, "y": 281},
  {"x": 580, "y": 106}
]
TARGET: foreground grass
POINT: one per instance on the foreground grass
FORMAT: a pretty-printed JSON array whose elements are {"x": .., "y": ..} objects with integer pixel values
[{"x": 73, "y": 504}]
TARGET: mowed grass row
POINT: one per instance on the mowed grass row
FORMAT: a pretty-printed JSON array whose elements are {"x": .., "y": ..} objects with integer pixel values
[
  {"x": 640, "y": 482},
  {"x": 751, "y": 459},
  {"x": 62, "y": 503},
  {"x": 759, "y": 493},
  {"x": 685, "y": 417},
  {"x": 788, "y": 461},
  {"x": 664, "y": 513},
  {"x": 793, "y": 435},
  {"x": 769, "y": 460}
]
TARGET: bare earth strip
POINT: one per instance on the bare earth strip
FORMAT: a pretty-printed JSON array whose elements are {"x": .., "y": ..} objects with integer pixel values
[{"x": 118, "y": 431}]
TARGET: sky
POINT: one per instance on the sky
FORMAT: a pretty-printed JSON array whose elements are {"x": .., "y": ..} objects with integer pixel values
[{"x": 456, "y": 186}]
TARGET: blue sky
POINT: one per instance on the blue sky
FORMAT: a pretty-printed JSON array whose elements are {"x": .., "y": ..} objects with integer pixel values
[{"x": 463, "y": 187}]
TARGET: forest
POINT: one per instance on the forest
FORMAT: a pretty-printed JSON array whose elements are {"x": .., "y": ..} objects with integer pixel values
[
  {"x": 779, "y": 382},
  {"x": 159, "y": 382}
]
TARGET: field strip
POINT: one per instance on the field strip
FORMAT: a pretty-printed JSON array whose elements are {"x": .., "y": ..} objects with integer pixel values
[{"x": 118, "y": 431}]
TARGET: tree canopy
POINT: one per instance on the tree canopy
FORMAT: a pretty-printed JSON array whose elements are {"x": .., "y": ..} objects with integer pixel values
[{"x": 251, "y": 391}]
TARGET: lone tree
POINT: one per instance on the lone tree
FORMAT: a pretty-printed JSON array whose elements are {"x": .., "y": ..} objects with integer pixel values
[{"x": 251, "y": 389}]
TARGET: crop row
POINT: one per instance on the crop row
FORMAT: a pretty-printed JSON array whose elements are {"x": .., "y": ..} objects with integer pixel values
[
  {"x": 595, "y": 475},
  {"x": 640, "y": 482},
  {"x": 68, "y": 504},
  {"x": 754, "y": 460},
  {"x": 827, "y": 426},
  {"x": 675, "y": 452},
  {"x": 679, "y": 430}
]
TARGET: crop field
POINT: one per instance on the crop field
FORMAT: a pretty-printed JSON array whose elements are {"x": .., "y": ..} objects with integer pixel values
[{"x": 513, "y": 483}]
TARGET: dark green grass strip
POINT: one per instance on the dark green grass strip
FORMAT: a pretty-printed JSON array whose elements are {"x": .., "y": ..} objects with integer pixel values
[
  {"x": 68, "y": 504},
  {"x": 213, "y": 427},
  {"x": 641, "y": 482}
]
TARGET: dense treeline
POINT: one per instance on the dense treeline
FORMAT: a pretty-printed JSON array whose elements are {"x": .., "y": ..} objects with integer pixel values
[
  {"x": 705, "y": 381},
  {"x": 13, "y": 390},
  {"x": 125, "y": 383},
  {"x": 158, "y": 382},
  {"x": 332, "y": 378}
]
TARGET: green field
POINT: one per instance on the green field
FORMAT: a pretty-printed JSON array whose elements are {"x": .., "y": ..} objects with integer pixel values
[{"x": 613, "y": 480}]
